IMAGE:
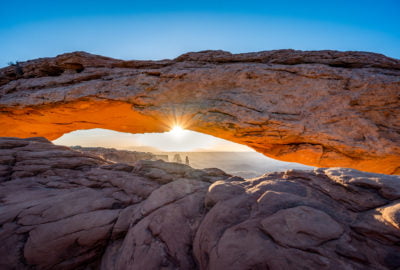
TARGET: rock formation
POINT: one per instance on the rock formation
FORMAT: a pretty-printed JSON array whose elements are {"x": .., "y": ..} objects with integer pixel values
[
  {"x": 177, "y": 158},
  {"x": 187, "y": 160},
  {"x": 62, "y": 209},
  {"x": 320, "y": 108},
  {"x": 114, "y": 155},
  {"x": 161, "y": 157}
]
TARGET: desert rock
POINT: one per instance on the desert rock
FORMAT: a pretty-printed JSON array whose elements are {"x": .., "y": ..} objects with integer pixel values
[
  {"x": 319, "y": 108},
  {"x": 63, "y": 209}
]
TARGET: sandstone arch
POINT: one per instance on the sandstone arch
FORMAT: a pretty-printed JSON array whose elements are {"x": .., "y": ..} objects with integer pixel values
[{"x": 321, "y": 108}]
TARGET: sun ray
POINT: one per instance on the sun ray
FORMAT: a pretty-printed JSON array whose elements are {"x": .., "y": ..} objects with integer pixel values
[{"x": 177, "y": 131}]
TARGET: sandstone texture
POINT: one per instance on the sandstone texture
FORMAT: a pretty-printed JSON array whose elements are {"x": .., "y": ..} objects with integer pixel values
[
  {"x": 62, "y": 209},
  {"x": 319, "y": 108}
]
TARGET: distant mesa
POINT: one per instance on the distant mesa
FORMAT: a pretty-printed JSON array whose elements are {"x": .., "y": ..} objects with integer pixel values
[
  {"x": 115, "y": 155},
  {"x": 162, "y": 157},
  {"x": 122, "y": 156},
  {"x": 177, "y": 158}
]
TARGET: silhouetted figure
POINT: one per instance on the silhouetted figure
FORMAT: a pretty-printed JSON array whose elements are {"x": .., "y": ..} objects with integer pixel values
[
  {"x": 177, "y": 158},
  {"x": 187, "y": 160}
]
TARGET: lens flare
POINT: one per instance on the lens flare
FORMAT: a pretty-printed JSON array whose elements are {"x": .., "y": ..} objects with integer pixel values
[{"x": 177, "y": 131}]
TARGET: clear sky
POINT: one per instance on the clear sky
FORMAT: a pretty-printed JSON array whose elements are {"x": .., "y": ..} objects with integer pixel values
[{"x": 165, "y": 29}]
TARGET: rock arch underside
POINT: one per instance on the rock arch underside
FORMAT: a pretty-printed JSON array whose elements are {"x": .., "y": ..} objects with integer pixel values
[
  {"x": 320, "y": 108},
  {"x": 62, "y": 208}
]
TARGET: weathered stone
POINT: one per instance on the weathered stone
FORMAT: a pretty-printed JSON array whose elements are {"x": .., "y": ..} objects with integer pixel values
[
  {"x": 301, "y": 227},
  {"x": 321, "y": 108},
  {"x": 105, "y": 216}
]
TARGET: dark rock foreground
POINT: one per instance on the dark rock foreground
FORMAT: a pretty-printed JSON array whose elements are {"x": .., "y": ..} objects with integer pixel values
[{"x": 61, "y": 209}]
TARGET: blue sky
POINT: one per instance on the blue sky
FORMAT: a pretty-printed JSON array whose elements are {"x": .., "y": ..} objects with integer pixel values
[{"x": 166, "y": 29}]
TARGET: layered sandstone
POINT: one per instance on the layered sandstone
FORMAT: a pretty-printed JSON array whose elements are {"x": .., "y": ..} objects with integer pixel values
[
  {"x": 61, "y": 209},
  {"x": 320, "y": 108}
]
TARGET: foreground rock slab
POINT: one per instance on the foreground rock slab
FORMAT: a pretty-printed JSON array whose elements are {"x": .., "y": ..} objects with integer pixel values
[
  {"x": 319, "y": 108},
  {"x": 61, "y": 209}
]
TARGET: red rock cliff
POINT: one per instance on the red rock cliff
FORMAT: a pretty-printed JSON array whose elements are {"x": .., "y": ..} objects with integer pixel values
[{"x": 320, "y": 108}]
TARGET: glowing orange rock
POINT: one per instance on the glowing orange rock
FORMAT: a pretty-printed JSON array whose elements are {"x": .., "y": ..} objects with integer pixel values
[{"x": 321, "y": 108}]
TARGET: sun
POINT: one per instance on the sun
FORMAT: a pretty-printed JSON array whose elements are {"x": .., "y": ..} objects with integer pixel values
[{"x": 177, "y": 131}]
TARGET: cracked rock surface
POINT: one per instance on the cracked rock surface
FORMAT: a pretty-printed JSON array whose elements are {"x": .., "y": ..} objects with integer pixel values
[
  {"x": 319, "y": 108},
  {"x": 62, "y": 209}
]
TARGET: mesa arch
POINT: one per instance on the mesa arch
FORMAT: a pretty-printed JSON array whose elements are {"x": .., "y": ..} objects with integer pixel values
[{"x": 319, "y": 108}]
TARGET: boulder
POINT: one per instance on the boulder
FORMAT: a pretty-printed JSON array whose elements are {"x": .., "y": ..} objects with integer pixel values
[{"x": 63, "y": 209}]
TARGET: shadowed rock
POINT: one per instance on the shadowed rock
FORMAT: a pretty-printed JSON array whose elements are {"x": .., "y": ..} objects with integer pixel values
[
  {"x": 320, "y": 108},
  {"x": 61, "y": 209}
]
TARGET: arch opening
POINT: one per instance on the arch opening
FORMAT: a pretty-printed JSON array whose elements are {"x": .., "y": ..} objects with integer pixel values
[{"x": 196, "y": 149}]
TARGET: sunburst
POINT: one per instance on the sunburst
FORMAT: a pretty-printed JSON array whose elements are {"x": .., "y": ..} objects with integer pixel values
[{"x": 177, "y": 131}]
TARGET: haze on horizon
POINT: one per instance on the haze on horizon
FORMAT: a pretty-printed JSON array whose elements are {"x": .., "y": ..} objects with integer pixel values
[
  {"x": 182, "y": 141},
  {"x": 203, "y": 151}
]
